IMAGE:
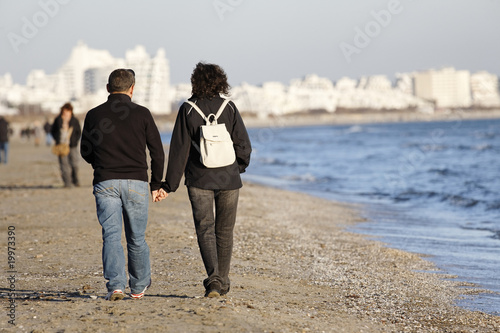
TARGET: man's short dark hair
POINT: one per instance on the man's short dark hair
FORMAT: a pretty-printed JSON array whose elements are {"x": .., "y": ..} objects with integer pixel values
[{"x": 121, "y": 80}]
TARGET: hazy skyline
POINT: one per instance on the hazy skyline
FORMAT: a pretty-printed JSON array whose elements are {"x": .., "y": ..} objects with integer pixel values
[{"x": 255, "y": 40}]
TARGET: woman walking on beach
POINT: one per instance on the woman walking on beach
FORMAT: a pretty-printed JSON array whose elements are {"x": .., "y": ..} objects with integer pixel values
[
  {"x": 66, "y": 129},
  {"x": 209, "y": 186}
]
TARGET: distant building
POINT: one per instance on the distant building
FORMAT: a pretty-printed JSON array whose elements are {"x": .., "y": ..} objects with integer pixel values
[
  {"x": 484, "y": 87},
  {"x": 404, "y": 83},
  {"x": 312, "y": 93},
  {"x": 82, "y": 80},
  {"x": 447, "y": 88},
  {"x": 95, "y": 80},
  {"x": 152, "y": 79},
  {"x": 379, "y": 83},
  {"x": 70, "y": 78},
  {"x": 346, "y": 83},
  {"x": 270, "y": 98}
]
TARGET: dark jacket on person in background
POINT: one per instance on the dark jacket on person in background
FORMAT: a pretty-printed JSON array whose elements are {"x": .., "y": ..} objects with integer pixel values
[
  {"x": 47, "y": 127},
  {"x": 4, "y": 130},
  {"x": 184, "y": 158},
  {"x": 115, "y": 136},
  {"x": 75, "y": 134}
]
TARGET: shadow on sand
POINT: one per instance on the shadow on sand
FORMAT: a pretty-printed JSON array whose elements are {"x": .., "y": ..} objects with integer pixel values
[{"x": 65, "y": 296}]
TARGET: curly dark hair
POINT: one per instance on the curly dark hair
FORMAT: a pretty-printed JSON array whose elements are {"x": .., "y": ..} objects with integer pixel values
[{"x": 208, "y": 81}]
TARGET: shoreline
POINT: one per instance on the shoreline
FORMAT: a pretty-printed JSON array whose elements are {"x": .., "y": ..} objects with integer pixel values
[
  {"x": 360, "y": 118},
  {"x": 295, "y": 267},
  {"x": 166, "y": 122}
]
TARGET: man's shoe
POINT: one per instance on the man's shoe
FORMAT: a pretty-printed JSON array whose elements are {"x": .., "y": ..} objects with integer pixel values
[
  {"x": 213, "y": 290},
  {"x": 115, "y": 295},
  {"x": 141, "y": 294}
]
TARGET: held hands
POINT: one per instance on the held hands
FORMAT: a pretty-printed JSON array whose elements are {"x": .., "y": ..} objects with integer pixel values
[{"x": 159, "y": 195}]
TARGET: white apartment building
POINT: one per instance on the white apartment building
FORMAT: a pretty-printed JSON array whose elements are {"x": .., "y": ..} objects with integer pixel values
[
  {"x": 484, "y": 87},
  {"x": 152, "y": 79},
  {"x": 70, "y": 78},
  {"x": 346, "y": 83},
  {"x": 447, "y": 88},
  {"x": 404, "y": 82},
  {"x": 312, "y": 93},
  {"x": 270, "y": 98},
  {"x": 82, "y": 80}
]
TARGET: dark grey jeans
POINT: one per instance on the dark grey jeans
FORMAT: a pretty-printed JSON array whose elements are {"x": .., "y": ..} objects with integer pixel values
[
  {"x": 69, "y": 167},
  {"x": 215, "y": 232}
]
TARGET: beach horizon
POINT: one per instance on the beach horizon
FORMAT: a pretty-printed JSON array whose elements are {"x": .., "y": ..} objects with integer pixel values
[
  {"x": 295, "y": 267},
  {"x": 165, "y": 122}
]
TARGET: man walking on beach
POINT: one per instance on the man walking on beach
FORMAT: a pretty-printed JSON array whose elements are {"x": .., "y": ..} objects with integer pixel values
[{"x": 115, "y": 137}]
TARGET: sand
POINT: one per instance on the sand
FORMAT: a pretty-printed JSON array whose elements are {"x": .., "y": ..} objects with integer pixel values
[{"x": 294, "y": 269}]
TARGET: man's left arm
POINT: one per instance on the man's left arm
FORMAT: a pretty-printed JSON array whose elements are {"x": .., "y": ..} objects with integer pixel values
[
  {"x": 86, "y": 147},
  {"x": 156, "y": 153}
]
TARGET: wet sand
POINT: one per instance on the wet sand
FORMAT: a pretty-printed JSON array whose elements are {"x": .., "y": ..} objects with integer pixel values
[{"x": 294, "y": 269}]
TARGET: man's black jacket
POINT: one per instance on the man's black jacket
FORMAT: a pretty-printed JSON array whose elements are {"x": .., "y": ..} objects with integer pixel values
[{"x": 114, "y": 141}]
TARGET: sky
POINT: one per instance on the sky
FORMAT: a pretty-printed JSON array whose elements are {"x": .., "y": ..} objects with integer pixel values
[{"x": 257, "y": 41}]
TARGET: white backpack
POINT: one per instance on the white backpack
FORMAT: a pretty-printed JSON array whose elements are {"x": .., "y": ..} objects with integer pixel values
[{"x": 216, "y": 147}]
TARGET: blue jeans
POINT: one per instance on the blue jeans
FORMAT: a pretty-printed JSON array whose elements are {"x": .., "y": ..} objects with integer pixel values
[
  {"x": 215, "y": 233},
  {"x": 4, "y": 152},
  {"x": 48, "y": 139},
  {"x": 129, "y": 198}
]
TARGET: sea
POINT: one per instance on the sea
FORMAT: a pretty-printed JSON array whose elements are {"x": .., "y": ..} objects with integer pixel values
[{"x": 431, "y": 188}]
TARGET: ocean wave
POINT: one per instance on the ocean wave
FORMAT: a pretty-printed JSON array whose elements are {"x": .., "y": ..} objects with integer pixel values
[
  {"x": 426, "y": 147},
  {"x": 493, "y": 229},
  {"x": 413, "y": 195},
  {"x": 354, "y": 129},
  {"x": 478, "y": 147},
  {"x": 495, "y": 205},
  {"x": 434, "y": 147},
  {"x": 451, "y": 199},
  {"x": 483, "y": 147},
  {"x": 309, "y": 178},
  {"x": 444, "y": 172},
  {"x": 279, "y": 162},
  {"x": 460, "y": 201},
  {"x": 376, "y": 194}
]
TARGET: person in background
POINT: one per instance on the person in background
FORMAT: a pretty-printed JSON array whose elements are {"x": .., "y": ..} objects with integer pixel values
[
  {"x": 209, "y": 186},
  {"x": 47, "y": 128},
  {"x": 37, "y": 132},
  {"x": 115, "y": 136},
  {"x": 4, "y": 140},
  {"x": 66, "y": 129}
]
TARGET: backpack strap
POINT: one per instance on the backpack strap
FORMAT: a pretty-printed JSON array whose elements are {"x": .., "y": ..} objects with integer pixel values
[
  {"x": 221, "y": 109},
  {"x": 197, "y": 108},
  {"x": 207, "y": 119}
]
